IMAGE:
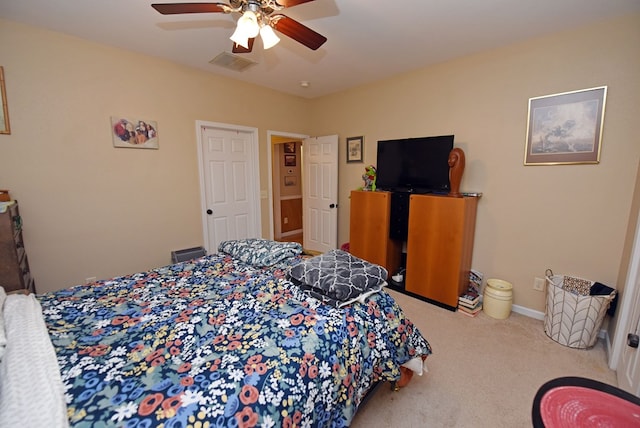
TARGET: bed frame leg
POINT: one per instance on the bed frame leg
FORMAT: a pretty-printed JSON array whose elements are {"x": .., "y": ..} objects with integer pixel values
[{"x": 394, "y": 386}]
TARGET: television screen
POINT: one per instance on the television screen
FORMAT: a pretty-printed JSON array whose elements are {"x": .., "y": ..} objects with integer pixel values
[{"x": 418, "y": 165}]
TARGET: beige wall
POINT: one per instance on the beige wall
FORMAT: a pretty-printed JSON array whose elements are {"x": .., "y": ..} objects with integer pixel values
[
  {"x": 90, "y": 209},
  {"x": 573, "y": 218}
]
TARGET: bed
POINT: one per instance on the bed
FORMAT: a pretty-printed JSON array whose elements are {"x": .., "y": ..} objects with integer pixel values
[{"x": 255, "y": 335}]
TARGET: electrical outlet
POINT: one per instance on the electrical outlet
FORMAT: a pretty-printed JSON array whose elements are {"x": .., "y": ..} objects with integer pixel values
[
  {"x": 286, "y": 220},
  {"x": 538, "y": 284},
  {"x": 90, "y": 280}
]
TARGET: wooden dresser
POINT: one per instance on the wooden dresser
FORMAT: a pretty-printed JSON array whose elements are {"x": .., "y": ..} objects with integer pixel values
[
  {"x": 369, "y": 230},
  {"x": 14, "y": 266},
  {"x": 440, "y": 247}
]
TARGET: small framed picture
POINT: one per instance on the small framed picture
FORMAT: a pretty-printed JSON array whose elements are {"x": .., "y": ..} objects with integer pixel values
[
  {"x": 290, "y": 180},
  {"x": 290, "y": 147},
  {"x": 354, "y": 149},
  {"x": 289, "y": 160},
  {"x": 565, "y": 128}
]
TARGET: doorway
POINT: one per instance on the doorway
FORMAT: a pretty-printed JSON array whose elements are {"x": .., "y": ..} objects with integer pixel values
[
  {"x": 319, "y": 187},
  {"x": 625, "y": 355},
  {"x": 285, "y": 186}
]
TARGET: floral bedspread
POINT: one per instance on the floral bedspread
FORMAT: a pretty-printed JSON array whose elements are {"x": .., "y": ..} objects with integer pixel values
[{"x": 218, "y": 341}]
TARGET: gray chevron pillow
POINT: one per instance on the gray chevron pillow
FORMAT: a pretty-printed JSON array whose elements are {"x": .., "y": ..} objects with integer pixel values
[{"x": 338, "y": 277}]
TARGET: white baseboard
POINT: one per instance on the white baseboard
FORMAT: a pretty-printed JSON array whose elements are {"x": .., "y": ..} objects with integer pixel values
[
  {"x": 602, "y": 334},
  {"x": 528, "y": 312}
]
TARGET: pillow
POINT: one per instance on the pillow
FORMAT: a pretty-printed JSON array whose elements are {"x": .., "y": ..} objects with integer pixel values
[
  {"x": 576, "y": 285},
  {"x": 260, "y": 252},
  {"x": 3, "y": 334},
  {"x": 339, "y": 276},
  {"x": 31, "y": 386}
]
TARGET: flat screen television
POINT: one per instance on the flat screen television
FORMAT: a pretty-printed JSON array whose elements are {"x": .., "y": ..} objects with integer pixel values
[{"x": 419, "y": 165}]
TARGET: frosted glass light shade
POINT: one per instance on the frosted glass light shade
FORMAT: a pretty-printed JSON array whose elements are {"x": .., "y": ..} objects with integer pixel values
[
  {"x": 269, "y": 37},
  {"x": 239, "y": 38},
  {"x": 249, "y": 24},
  {"x": 246, "y": 29}
]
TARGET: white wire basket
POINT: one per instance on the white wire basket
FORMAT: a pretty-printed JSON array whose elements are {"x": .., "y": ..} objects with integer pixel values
[{"x": 573, "y": 319}]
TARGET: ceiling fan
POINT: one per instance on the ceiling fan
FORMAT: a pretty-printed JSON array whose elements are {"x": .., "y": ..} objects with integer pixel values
[{"x": 258, "y": 17}]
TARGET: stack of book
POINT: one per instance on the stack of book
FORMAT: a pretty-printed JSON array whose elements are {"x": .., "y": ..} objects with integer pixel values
[
  {"x": 469, "y": 303},
  {"x": 475, "y": 281}
]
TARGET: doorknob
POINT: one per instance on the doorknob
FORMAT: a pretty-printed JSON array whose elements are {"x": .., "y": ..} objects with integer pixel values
[
  {"x": 333, "y": 206},
  {"x": 209, "y": 212},
  {"x": 633, "y": 340}
]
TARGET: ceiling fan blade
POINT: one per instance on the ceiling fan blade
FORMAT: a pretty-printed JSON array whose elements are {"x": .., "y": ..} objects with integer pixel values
[
  {"x": 241, "y": 49},
  {"x": 298, "y": 32},
  {"x": 176, "y": 8},
  {"x": 289, "y": 3}
]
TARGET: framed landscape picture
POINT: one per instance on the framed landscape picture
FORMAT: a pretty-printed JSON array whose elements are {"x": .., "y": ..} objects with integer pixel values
[{"x": 565, "y": 128}]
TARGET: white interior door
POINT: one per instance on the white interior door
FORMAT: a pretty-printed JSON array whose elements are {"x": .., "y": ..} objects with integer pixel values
[
  {"x": 626, "y": 357},
  {"x": 320, "y": 193},
  {"x": 229, "y": 183},
  {"x": 628, "y": 371}
]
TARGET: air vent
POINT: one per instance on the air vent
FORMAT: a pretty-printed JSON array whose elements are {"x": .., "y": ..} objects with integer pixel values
[
  {"x": 232, "y": 62},
  {"x": 187, "y": 254}
]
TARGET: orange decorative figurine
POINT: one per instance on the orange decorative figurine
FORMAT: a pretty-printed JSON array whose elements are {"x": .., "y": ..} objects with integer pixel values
[{"x": 456, "y": 169}]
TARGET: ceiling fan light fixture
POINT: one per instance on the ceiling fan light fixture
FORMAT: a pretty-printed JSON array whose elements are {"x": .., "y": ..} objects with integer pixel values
[
  {"x": 246, "y": 29},
  {"x": 239, "y": 38},
  {"x": 248, "y": 23},
  {"x": 269, "y": 37},
  {"x": 258, "y": 17}
]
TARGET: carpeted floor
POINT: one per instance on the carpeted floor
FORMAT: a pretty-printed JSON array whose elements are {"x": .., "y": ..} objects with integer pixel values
[{"x": 483, "y": 372}]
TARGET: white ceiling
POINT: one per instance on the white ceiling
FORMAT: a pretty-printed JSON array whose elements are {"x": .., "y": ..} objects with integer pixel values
[{"x": 368, "y": 40}]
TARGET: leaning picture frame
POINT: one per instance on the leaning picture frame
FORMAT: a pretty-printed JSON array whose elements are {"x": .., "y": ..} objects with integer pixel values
[
  {"x": 4, "y": 118},
  {"x": 565, "y": 128},
  {"x": 354, "y": 149}
]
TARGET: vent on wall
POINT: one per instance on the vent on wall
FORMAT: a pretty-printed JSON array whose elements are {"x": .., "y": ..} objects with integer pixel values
[
  {"x": 232, "y": 62},
  {"x": 187, "y": 254}
]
